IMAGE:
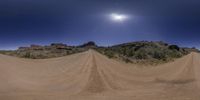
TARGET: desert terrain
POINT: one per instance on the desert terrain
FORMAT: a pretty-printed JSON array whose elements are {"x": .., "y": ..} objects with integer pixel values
[{"x": 92, "y": 76}]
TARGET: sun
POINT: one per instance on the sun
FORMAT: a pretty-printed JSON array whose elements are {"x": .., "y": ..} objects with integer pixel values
[{"x": 118, "y": 17}]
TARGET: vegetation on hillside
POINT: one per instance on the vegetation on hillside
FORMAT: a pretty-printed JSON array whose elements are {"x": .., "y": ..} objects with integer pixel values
[
  {"x": 145, "y": 52},
  {"x": 134, "y": 52},
  {"x": 8, "y": 52},
  {"x": 42, "y": 52}
]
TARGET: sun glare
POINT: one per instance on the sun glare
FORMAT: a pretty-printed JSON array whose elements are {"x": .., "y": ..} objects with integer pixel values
[{"x": 118, "y": 17}]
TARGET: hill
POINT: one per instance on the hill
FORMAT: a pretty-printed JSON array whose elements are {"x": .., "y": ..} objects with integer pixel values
[{"x": 145, "y": 52}]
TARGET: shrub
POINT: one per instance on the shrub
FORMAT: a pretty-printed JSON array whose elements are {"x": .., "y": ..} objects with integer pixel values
[
  {"x": 127, "y": 60},
  {"x": 110, "y": 54},
  {"x": 130, "y": 53},
  {"x": 160, "y": 55},
  {"x": 141, "y": 54},
  {"x": 27, "y": 55},
  {"x": 175, "y": 54},
  {"x": 174, "y": 47}
]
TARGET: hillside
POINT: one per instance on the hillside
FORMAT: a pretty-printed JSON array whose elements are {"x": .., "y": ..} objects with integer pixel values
[
  {"x": 143, "y": 52},
  {"x": 43, "y": 52}
]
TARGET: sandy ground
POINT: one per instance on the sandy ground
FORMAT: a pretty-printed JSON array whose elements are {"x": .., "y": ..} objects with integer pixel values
[{"x": 92, "y": 76}]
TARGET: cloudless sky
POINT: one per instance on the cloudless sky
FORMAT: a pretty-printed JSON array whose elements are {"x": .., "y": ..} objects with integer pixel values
[{"x": 25, "y": 22}]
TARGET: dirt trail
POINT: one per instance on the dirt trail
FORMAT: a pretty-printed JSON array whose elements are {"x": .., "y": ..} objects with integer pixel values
[{"x": 92, "y": 76}]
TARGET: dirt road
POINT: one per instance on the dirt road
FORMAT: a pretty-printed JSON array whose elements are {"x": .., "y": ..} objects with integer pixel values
[{"x": 92, "y": 76}]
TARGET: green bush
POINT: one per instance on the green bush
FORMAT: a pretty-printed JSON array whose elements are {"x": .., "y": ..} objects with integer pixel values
[
  {"x": 110, "y": 54},
  {"x": 160, "y": 55},
  {"x": 141, "y": 54},
  {"x": 127, "y": 60},
  {"x": 174, "y": 47},
  {"x": 27, "y": 55}
]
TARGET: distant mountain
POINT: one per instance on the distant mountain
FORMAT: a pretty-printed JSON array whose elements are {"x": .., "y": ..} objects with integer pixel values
[{"x": 90, "y": 44}]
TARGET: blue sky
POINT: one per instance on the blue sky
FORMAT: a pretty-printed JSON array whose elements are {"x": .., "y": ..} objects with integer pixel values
[{"x": 25, "y": 22}]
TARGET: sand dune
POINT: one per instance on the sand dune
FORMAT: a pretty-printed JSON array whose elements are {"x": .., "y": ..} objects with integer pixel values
[{"x": 92, "y": 76}]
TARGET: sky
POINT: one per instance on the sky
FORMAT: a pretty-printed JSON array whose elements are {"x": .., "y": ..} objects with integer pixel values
[{"x": 107, "y": 22}]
